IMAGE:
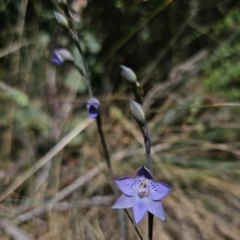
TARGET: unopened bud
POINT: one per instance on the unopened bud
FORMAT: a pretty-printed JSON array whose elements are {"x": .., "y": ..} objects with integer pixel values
[
  {"x": 62, "y": 4},
  {"x": 62, "y": 20},
  {"x": 93, "y": 107},
  {"x": 61, "y": 55},
  {"x": 129, "y": 75},
  {"x": 137, "y": 112}
]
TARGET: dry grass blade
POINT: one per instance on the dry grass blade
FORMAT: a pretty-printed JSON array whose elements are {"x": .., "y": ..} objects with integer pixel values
[
  {"x": 13, "y": 231},
  {"x": 94, "y": 201},
  {"x": 45, "y": 159}
]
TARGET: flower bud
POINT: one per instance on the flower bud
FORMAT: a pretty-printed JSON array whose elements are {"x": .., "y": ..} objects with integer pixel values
[
  {"x": 129, "y": 75},
  {"x": 93, "y": 107},
  {"x": 61, "y": 55},
  {"x": 137, "y": 112},
  {"x": 62, "y": 4},
  {"x": 62, "y": 20}
]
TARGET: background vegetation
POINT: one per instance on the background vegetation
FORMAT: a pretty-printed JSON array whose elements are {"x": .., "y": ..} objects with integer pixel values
[{"x": 186, "y": 56}]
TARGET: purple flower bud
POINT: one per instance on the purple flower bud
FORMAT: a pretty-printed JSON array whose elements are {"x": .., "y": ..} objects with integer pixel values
[
  {"x": 93, "y": 107},
  {"x": 61, "y": 55}
]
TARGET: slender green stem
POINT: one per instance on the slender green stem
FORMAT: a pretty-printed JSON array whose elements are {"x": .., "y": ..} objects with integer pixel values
[
  {"x": 103, "y": 141},
  {"x": 83, "y": 71},
  {"x": 73, "y": 34},
  {"x": 147, "y": 142},
  {"x": 76, "y": 41}
]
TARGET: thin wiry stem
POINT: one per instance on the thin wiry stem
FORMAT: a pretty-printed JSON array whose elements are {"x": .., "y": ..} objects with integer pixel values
[
  {"x": 138, "y": 233},
  {"x": 150, "y": 226},
  {"x": 108, "y": 161},
  {"x": 147, "y": 143},
  {"x": 84, "y": 73},
  {"x": 85, "y": 78},
  {"x": 103, "y": 141},
  {"x": 78, "y": 45}
]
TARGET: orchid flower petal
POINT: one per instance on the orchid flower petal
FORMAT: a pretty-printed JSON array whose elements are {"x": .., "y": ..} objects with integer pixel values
[
  {"x": 127, "y": 185},
  {"x": 124, "y": 202},
  {"x": 57, "y": 59},
  {"x": 156, "y": 208},
  {"x": 139, "y": 209},
  {"x": 93, "y": 112},
  {"x": 61, "y": 55},
  {"x": 158, "y": 190},
  {"x": 143, "y": 171}
]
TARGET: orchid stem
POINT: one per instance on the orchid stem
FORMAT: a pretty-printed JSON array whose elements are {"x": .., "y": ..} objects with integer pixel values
[
  {"x": 147, "y": 143},
  {"x": 103, "y": 141},
  {"x": 83, "y": 71},
  {"x": 150, "y": 226},
  {"x": 90, "y": 93},
  {"x": 138, "y": 233},
  {"x": 120, "y": 211},
  {"x": 75, "y": 38}
]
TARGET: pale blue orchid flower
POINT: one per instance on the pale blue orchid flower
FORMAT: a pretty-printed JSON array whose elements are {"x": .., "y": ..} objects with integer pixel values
[{"x": 142, "y": 194}]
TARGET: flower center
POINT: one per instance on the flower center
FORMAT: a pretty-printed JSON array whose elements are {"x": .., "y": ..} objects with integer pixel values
[{"x": 142, "y": 190}]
